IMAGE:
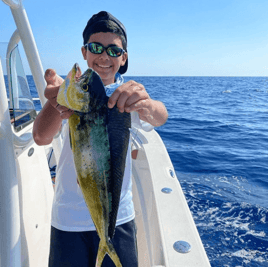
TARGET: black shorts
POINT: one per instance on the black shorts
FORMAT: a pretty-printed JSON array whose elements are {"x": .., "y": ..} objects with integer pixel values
[{"x": 79, "y": 249}]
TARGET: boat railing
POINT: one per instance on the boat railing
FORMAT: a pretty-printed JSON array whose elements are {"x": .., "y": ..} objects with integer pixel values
[
  {"x": 24, "y": 33},
  {"x": 9, "y": 194}
]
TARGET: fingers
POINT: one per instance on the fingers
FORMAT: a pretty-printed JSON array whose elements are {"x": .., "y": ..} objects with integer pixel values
[
  {"x": 61, "y": 108},
  {"x": 66, "y": 114},
  {"x": 53, "y": 83},
  {"x": 52, "y": 100},
  {"x": 142, "y": 106},
  {"x": 52, "y": 78},
  {"x": 117, "y": 93},
  {"x": 126, "y": 95}
]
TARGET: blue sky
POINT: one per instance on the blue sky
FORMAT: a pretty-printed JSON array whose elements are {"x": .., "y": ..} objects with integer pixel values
[{"x": 165, "y": 38}]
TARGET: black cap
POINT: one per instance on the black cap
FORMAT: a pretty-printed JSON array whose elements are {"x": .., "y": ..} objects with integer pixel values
[{"x": 106, "y": 22}]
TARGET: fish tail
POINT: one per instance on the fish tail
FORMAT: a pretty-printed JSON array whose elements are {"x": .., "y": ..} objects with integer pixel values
[{"x": 107, "y": 248}]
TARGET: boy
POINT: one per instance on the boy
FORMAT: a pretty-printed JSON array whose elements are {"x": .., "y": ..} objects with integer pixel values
[{"x": 74, "y": 241}]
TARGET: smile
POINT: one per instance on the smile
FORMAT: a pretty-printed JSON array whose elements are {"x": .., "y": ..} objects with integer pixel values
[{"x": 103, "y": 66}]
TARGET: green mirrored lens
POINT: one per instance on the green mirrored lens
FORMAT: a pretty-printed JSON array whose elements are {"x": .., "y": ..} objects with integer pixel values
[
  {"x": 114, "y": 51},
  {"x": 96, "y": 48}
]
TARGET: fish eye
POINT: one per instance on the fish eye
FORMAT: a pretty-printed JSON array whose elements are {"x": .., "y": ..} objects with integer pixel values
[{"x": 85, "y": 87}]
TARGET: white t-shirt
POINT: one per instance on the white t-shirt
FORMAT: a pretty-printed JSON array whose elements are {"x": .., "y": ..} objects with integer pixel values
[{"x": 69, "y": 211}]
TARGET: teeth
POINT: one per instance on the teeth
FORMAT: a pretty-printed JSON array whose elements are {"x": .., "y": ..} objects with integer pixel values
[{"x": 104, "y": 66}]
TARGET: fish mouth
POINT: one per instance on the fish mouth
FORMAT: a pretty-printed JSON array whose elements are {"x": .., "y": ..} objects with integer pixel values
[
  {"x": 76, "y": 67},
  {"x": 85, "y": 76}
]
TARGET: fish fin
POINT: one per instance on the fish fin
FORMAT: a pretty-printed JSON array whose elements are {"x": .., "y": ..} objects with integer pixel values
[{"x": 107, "y": 248}]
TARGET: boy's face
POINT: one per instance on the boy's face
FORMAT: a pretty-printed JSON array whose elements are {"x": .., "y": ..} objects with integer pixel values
[{"x": 103, "y": 64}]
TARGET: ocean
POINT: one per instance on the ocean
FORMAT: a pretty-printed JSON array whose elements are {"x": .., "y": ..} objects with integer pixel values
[{"x": 217, "y": 139}]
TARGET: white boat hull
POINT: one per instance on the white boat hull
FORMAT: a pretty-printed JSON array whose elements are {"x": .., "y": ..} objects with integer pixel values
[{"x": 162, "y": 219}]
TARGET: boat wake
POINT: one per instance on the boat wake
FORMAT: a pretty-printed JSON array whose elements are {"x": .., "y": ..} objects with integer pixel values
[{"x": 234, "y": 224}]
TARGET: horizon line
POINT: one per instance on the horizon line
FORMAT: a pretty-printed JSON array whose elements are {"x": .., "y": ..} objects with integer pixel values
[{"x": 207, "y": 76}]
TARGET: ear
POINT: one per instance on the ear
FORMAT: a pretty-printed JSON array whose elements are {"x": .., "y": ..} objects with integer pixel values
[
  {"x": 124, "y": 59},
  {"x": 84, "y": 52}
]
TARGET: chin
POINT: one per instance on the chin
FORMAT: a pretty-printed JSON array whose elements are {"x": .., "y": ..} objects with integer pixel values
[{"x": 107, "y": 79}]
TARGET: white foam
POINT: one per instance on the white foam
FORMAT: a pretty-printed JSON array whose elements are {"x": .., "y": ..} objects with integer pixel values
[{"x": 249, "y": 255}]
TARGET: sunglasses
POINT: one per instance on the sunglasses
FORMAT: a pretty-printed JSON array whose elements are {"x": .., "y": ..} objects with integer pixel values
[{"x": 111, "y": 50}]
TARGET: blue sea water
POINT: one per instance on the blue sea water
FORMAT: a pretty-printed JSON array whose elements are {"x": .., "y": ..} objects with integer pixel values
[{"x": 217, "y": 139}]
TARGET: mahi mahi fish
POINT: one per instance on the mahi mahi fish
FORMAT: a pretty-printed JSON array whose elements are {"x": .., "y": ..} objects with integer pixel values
[{"x": 99, "y": 139}]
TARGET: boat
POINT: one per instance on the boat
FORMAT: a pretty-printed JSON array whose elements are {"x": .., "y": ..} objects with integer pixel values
[{"x": 166, "y": 232}]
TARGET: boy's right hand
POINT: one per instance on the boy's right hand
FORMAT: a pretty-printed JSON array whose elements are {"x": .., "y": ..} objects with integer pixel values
[{"x": 54, "y": 82}]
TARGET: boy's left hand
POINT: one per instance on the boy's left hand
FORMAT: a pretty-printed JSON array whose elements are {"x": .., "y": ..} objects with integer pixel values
[{"x": 131, "y": 96}]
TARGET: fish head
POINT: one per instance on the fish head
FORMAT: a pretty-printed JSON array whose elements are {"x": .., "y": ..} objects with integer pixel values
[
  {"x": 82, "y": 92},
  {"x": 91, "y": 82},
  {"x": 72, "y": 93}
]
